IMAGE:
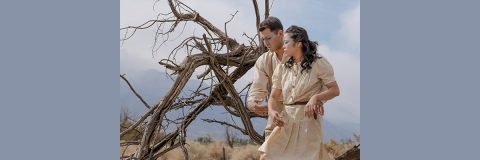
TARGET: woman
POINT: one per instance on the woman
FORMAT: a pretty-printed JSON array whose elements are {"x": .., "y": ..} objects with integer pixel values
[{"x": 300, "y": 80}]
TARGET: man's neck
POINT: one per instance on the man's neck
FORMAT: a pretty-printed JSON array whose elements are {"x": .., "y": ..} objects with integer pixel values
[{"x": 279, "y": 53}]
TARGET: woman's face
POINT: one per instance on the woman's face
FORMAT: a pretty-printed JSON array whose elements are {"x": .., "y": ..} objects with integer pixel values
[{"x": 289, "y": 46}]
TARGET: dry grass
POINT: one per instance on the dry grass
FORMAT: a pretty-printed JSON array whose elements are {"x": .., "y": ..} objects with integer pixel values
[
  {"x": 207, "y": 151},
  {"x": 336, "y": 149},
  {"x": 214, "y": 151},
  {"x": 129, "y": 150},
  {"x": 246, "y": 152},
  {"x": 195, "y": 151}
]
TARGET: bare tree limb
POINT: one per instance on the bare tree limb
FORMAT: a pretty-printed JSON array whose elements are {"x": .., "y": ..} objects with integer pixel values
[
  {"x": 225, "y": 123},
  {"x": 257, "y": 15},
  {"x": 166, "y": 150},
  {"x": 266, "y": 9},
  {"x": 140, "y": 120},
  {"x": 141, "y": 99},
  {"x": 129, "y": 143}
]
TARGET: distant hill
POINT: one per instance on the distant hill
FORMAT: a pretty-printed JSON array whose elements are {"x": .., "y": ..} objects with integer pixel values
[{"x": 152, "y": 85}]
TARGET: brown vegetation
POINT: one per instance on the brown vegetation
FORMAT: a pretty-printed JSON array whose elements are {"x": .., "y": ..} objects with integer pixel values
[
  {"x": 214, "y": 150},
  {"x": 336, "y": 149},
  {"x": 230, "y": 136}
]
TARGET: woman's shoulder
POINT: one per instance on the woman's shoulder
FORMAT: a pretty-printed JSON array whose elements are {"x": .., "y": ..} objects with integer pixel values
[{"x": 322, "y": 62}]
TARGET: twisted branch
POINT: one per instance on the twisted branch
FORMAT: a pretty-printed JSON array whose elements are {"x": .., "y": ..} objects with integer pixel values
[{"x": 238, "y": 55}]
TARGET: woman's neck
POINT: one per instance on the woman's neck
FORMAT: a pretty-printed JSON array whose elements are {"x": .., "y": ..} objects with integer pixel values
[{"x": 298, "y": 57}]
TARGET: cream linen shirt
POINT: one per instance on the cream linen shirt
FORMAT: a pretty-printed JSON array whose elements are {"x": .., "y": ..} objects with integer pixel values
[
  {"x": 300, "y": 87},
  {"x": 262, "y": 74}
]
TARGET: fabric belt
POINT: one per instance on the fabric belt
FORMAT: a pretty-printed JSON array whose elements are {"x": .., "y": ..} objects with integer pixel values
[
  {"x": 300, "y": 103},
  {"x": 304, "y": 103}
]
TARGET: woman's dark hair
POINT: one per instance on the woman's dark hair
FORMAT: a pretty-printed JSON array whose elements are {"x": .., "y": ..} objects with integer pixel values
[{"x": 309, "y": 48}]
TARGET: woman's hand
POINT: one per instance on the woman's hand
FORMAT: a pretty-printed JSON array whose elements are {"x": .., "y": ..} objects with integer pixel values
[
  {"x": 276, "y": 118},
  {"x": 313, "y": 107}
]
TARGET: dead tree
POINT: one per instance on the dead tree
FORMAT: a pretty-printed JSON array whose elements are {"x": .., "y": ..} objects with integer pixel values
[
  {"x": 202, "y": 51},
  {"x": 230, "y": 136},
  {"x": 209, "y": 136}
]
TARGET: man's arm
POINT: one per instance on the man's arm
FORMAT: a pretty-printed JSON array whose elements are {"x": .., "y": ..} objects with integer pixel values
[{"x": 259, "y": 88}]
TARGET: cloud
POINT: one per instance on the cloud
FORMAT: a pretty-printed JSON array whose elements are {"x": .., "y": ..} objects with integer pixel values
[
  {"x": 348, "y": 37},
  {"x": 345, "y": 107},
  {"x": 344, "y": 55}
]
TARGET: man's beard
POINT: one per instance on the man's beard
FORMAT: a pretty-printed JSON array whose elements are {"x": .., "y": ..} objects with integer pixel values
[{"x": 272, "y": 49}]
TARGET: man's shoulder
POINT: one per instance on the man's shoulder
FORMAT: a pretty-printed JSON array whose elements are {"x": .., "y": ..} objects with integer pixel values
[
  {"x": 263, "y": 57},
  {"x": 280, "y": 67}
]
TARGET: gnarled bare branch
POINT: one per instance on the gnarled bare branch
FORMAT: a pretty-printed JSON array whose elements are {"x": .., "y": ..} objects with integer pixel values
[
  {"x": 222, "y": 93},
  {"x": 225, "y": 123}
]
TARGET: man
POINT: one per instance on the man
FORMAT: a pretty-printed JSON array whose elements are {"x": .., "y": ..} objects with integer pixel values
[{"x": 271, "y": 32}]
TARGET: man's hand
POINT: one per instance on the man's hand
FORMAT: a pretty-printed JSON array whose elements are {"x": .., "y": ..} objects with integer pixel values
[
  {"x": 255, "y": 107},
  {"x": 313, "y": 107}
]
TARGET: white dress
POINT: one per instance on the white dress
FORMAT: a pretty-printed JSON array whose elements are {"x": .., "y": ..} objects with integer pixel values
[{"x": 301, "y": 137}]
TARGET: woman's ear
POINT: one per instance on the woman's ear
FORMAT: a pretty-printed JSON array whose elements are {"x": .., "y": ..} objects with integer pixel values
[{"x": 298, "y": 45}]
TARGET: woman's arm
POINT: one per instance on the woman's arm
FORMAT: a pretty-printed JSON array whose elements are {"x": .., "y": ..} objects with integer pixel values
[
  {"x": 330, "y": 93},
  {"x": 272, "y": 106},
  {"x": 274, "y": 99}
]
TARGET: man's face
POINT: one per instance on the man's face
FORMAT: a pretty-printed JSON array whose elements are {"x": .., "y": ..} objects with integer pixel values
[{"x": 273, "y": 41}]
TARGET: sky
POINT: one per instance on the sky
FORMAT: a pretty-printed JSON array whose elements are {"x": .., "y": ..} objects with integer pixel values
[{"x": 334, "y": 24}]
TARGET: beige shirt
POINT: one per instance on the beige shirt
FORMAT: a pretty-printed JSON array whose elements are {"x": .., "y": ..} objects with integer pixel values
[
  {"x": 300, "y": 87},
  {"x": 262, "y": 75}
]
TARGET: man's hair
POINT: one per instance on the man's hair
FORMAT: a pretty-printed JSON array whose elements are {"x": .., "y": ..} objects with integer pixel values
[{"x": 271, "y": 22}]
